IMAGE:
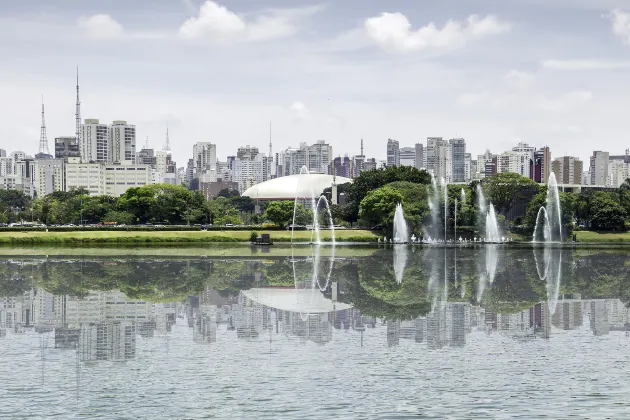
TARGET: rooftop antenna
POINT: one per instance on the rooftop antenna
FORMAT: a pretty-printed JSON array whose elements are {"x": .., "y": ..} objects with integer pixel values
[
  {"x": 270, "y": 161},
  {"x": 146, "y": 143},
  {"x": 43, "y": 140},
  {"x": 362, "y": 147},
  {"x": 167, "y": 146},
  {"x": 78, "y": 111}
]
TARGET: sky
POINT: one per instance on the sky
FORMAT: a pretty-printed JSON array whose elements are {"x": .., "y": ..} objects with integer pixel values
[{"x": 495, "y": 72}]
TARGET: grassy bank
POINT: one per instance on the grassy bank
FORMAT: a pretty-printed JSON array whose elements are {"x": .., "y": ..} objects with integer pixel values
[
  {"x": 596, "y": 237},
  {"x": 34, "y": 238}
]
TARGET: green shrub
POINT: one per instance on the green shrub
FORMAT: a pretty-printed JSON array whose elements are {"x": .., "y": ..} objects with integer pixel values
[{"x": 253, "y": 236}]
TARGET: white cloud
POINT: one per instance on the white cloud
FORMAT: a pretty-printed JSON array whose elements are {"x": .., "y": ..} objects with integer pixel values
[
  {"x": 299, "y": 111},
  {"x": 519, "y": 78},
  {"x": 101, "y": 26},
  {"x": 621, "y": 24},
  {"x": 393, "y": 32},
  {"x": 576, "y": 65},
  {"x": 219, "y": 24}
]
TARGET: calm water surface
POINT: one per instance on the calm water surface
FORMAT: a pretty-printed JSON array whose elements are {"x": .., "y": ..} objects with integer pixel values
[{"x": 489, "y": 332}]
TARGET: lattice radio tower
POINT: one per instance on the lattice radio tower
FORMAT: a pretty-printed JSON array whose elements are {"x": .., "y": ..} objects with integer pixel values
[
  {"x": 78, "y": 112},
  {"x": 43, "y": 140}
]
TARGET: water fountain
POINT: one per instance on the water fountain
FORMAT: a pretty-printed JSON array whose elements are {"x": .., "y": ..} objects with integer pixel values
[
  {"x": 401, "y": 231},
  {"x": 548, "y": 226},
  {"x": 487, "y": 219},
  {"x": 551, "y": 274},
  {"x": 315, "y": 204},
  {"x": 434, "y": 207}
]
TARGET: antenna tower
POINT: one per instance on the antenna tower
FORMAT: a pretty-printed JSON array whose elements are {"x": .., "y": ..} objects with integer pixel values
[
  {"x": 146, "y": 143},
  {"x": 167, "y": 146},
  {"x": 78, "y": 111},
  {"x": 362, "y": 147},
  {"x": 43, "y": 140}
]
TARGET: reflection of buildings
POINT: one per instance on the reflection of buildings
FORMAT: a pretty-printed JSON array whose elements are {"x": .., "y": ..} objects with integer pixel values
[
  {"x": 447, "y": 325},
  {"x": 568, "y": 315},
  {"x": 111, "y": 340},
  {"x": 599, "y": 317}
]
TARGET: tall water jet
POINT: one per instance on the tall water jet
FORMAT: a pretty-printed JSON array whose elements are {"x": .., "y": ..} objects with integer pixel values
[
  {"x": 542, "y": 230},
  {"x": 331, "y": 224},
  {"x": 552, "y": 226},
  {"x": 445, "y": 195},
  {"x": 434, "y": 207},
  {"x": 455, "y": 219},
  {"x": 303, "y": 171},
  {"x": 483, "y": 209},
  {"x": 401, "y": 231},
  {"x": 492, "y": 226}
]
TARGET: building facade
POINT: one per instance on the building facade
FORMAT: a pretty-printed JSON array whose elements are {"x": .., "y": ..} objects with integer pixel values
[
  {"x": 122, "y": 143},
  {"x": 393, "y": 152},
  {"x": 568, "y": 170},
  {"x": 66, "y": 147},
  {"x": 599, "y": 168},
  {"x": 94, "y": 142}
]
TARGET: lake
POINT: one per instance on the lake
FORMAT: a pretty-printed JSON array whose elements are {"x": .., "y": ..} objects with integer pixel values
[{"x": 315, "y": 332}]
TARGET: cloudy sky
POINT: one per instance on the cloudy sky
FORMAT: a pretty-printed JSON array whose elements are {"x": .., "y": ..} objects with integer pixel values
[{"x": 548, "y": 72}]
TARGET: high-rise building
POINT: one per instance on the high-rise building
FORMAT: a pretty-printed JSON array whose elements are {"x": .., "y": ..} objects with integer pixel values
[
  {"x": 618, "y": 172},
  {"x": 146, "y": 157},
  {"x": 94, "y": 142},
  {"x": 599, "y": 168},
  {"x": 248, "y": 172},
  {"x": 66, "y": 147},
  {"x": 407, "y": 156},
  {"x": 419, "y": 156},
  {"x": 87, "y": 175},
  {"x": 542, "y": 165},
  {"x": 6, "y": 165},
  {"x": 247, "y": 152},
  {"x": 468, "y": 167},
  {"x": 458, "y": 154},
  {"x": 49, "y": 176},
  {"x": 205, "y": 161},
  {"x": 393, "y": 152},
  {"x": 122, "y": 143},
  {"x": 315, "y": 158},
  {"x": 567, "y": 170},
  {"x": 436, "y": 156},
  {"x": 3, "y": 153},
  {"x": 515, "y": 162}
]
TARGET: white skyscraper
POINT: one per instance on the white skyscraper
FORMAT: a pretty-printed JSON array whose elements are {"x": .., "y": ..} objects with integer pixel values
[
  {"x": 248, "y": 172},
  {"x": 205, "y": 161},
  {"x": 407, "y": 156},
  {"x": 316, "y": 158},
  {"x": 599, "y": 168},
  {"x": 122, "y": 143},
  {"x": 94, "y": 141}
]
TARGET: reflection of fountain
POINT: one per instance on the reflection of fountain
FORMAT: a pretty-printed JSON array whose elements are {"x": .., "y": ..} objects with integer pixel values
[
  {"x": 434, "y": 207},
  {"x": 487, "y": 218},
  {"x": 488, "y": 271},
  {"x": 401, "y": 254},
  {"x": 315, "y": 204},
  {"x": 551, "y": 273},
  {"x": 401, "y": 232},
  {"x": 549, "y": 220}
]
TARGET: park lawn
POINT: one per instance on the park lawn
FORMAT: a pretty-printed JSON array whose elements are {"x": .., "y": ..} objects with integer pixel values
[
  {"x": 122, "y": 237},
  {"x": 589, "y": 236}
]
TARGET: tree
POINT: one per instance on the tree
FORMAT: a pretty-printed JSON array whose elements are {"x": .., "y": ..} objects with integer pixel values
[
  {"x": 373, "y": 179},
  {"x": 505, "y": 189},
  {"x": 606, "y": 213},
  {"x": 160, "y": 203},
  {"x": 280, "y": 213},
  {"x": 378, "y": 207},
  {"x": 228, "y": 193},
  {"x": 415, "y": 203}
]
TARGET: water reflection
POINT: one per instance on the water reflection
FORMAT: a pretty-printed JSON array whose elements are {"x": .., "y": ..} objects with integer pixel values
[{"x": 104, "y": 308}]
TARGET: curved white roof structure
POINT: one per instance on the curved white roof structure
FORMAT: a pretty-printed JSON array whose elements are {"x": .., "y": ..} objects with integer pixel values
[{"x": 293, "y": 186}]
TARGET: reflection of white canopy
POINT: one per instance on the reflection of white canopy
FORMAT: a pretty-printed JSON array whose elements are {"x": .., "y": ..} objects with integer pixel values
[{"x": 310, "y": 301}]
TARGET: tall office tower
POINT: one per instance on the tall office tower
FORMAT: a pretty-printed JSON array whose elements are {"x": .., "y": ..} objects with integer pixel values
[
  {"x": 407, "y": 156},
  {"x": 3, "y": 153},
  {"x": 618, "y": 172},
  {"x": 523, "y": 147},
  {"x": 49, "y": 175},
  {"x": 542, "y": 165},
  {"x": 393, "y": 152},
  {"x": 458, "y": 155},
  {"x": 568, "y": 170},
  {"x": 122, "y": 143},
  {"x": 443, "y": 161},
  {"x": 190, "y": 170},
  {"x": 247, "y": 152},
  {"x": 419, "y": 148},
  {"x": 66, "y": 147},
  {"x": 94, "y": 141},
  {"x": 599, "y": 168}
]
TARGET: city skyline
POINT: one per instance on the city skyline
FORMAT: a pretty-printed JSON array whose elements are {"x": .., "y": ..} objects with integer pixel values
[{"x": 363, "y": 76}]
